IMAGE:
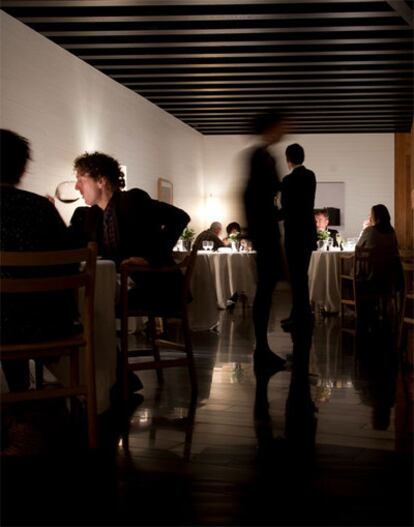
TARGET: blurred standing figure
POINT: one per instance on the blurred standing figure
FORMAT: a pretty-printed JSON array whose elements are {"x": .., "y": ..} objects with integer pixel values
[
  {"x": 263, "y": 229},
  {"x": 298, "y": 197}
]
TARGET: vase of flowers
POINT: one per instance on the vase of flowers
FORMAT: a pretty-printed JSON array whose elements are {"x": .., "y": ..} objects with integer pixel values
[
  {"x": 186, "y": 238},
  {"x": 322, "y": 239}
]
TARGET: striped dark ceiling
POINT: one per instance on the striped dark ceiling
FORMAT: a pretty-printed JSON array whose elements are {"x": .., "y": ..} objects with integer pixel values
[{"x": 336, "y": 66}]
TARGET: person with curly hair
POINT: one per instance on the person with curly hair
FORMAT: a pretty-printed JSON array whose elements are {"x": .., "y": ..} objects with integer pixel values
[{"x": 124, "y": 224}]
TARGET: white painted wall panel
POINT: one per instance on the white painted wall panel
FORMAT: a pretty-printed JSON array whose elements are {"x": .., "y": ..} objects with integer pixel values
[
  {"x": 364, "y": 162},
  {"x": 65, "y": 107}
]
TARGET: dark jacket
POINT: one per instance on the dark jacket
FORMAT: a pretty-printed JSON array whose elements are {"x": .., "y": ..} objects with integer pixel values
[
  {"x": 259, "y": 199},
  {"x": 298, "y": 198},
  {"x": 145, "y": 227},
  {"x": 208, "y": 235}
]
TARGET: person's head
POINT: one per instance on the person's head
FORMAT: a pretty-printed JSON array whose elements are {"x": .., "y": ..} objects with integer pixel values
[
  {"x": 380, "y": 218},
  {"x": 98, "y": 176},
  {"x": 233, "y": 228},
  {"x": 216, "y": 227},
  {"x": 271, "y": 126},
  {"x": 295, "y": 155},
  {"x": 321, "y": 219},
  {"x": 14, "y": 155}
]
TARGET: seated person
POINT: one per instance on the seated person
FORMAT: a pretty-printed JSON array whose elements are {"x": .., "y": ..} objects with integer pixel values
[
  {"x": 385, "y": 272},
  {"x": 322, "y": 222},
  {"x": 378, "y": 234},
  {"x": 127, "y": 225},
  {"x": 212, "y": 235},
  {"x": 29, "y": 223}
]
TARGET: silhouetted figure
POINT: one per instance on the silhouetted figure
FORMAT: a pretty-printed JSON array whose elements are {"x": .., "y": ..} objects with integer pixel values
[
  {"x": 262, "y": 188},
  {"x": 298, "y": 197},
  {"x": 300, "y": 419},
  {"x": 376, "y": 373},
  {"x": 29, "y": 223}
]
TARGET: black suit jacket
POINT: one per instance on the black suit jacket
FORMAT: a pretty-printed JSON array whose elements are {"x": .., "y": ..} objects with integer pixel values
[
  {"x": 298, "y": 198},
  {"x": 146, "y": 227}
]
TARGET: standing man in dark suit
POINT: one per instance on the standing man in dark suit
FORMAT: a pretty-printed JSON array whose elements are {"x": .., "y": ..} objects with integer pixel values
[{"x": 298, "y": 197}]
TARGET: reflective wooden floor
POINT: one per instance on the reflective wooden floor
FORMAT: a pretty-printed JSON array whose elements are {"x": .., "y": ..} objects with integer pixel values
[{"x": 335, "y": 448}]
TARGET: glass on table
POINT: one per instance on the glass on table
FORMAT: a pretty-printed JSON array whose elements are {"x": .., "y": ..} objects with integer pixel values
[
  {"x": 210, "y": 246},
  {"x": 329, "y": 244},
  {"x": 205, "y": 245}
]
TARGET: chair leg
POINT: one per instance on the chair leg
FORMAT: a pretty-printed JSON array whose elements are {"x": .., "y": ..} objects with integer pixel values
[
  {"x": 124, "y": 358},
  {"x": 189, "y": 351},
  {"x": 155, "y": 350}
]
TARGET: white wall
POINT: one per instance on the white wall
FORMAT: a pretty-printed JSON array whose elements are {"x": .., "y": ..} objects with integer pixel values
[
  {"x": 364, "y": 162},
  {"x": 65, "y": 107}
]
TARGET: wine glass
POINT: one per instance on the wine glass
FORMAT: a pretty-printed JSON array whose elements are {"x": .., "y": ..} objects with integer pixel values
[
  {"x": 210, "y": 246},
  {"x": 66, "y": 192},
  {"x": 329, "y": 244},
  {"x": 206, "y": 245}
]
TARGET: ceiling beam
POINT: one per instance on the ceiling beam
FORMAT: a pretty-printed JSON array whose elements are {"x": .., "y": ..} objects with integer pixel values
[{"x": 402, "y": 9}]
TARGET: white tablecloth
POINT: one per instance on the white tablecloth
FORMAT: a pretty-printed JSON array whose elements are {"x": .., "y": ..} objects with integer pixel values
[
  {"x": 324, "y": 286},
  {"x": 217, "y": 276}
]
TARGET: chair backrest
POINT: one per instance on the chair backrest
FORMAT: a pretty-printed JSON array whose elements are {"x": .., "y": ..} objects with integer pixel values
[
  {"x": 78, "y": 268},
  {"x": 382, "y": 271}
]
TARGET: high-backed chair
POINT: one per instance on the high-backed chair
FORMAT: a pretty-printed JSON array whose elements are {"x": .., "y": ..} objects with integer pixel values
[
  {"x": 378, "y": 284},
  {"x": 347, "y": 285},
  {"x": 175, "y": 310},
  {"x": 80, "y": 275}
]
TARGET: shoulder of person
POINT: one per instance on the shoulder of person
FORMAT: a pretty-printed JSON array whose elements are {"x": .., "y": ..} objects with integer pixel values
[{"x": 134, "y": 194}]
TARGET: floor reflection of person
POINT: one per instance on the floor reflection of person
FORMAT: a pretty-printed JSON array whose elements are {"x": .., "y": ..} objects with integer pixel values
[
  {"x": 260, "y": 193},
  {"x": 376, "y": 374}
]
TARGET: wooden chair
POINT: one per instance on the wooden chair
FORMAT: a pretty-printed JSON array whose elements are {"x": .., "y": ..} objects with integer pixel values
[
  {"x": 83, "y": 278},
  {"x": 378, "y": 285},
  {"x": 180, "y": 312},
  {"x": 347, "y": 285}
]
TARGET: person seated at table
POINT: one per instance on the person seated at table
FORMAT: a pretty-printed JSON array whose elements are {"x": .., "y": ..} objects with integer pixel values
[
  {"x": 385, "y": 271},
  {"x": 322, "y": 222},
  {"x": 29, "y": 223},
  {"x": 127, "y": 225},
  {"x": 212, "y": 234}
]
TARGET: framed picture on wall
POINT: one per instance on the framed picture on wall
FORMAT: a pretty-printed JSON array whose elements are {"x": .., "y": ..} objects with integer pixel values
[{"x": 165, "y": 190}]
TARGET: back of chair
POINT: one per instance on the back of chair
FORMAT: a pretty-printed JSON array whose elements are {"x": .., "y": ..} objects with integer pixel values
[
  {"x": 78, "y": 268},
  {"x": 381, "y": 272}
]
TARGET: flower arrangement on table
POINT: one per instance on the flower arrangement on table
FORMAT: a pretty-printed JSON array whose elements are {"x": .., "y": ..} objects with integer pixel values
[
  {"x": 323, "y": 235},
  {"x": 234, "y": 237},
  {"x": 186, "y": 238},
  {"x": 187, "y": 234}
]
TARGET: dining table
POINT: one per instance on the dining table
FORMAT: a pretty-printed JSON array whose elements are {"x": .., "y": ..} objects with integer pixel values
[
  {"x": 217, "y": 276},
  {"x": 324, "y": 279}
]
